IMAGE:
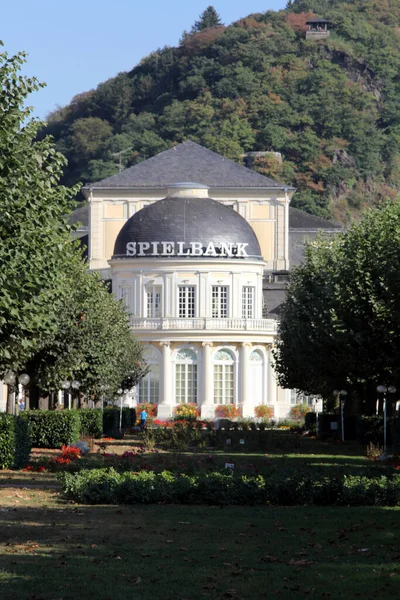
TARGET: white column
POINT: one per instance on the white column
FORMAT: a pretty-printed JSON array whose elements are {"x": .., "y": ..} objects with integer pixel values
[
  {"x": 245, "y": 397},
  {"x": 272, "y": 385},
  {"x": 3, "y": 397},
  {"x": 286, "y": 231},
  {"x": 207, "y": 403},
  {"x": 165, "y": 408}
]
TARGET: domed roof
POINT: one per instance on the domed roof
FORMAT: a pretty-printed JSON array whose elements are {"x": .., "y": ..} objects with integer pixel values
[{"x": 187, "y": 226}]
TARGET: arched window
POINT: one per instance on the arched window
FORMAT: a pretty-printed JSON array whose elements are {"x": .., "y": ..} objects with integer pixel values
[
  {"x": 186, "y": 376},
  {"x": 149, "y": 386},
  {"x": 257, "y": 377},
  {"x": 223, "y": 377}
]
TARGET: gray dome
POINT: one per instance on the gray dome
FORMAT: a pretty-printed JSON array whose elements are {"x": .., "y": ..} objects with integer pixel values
[{"x": 187, "y": 227}]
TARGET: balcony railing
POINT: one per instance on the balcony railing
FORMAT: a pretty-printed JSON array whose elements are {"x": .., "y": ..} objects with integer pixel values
[
  {"x": 317, "y": 35},
  {"x": 256, "y": 325}
]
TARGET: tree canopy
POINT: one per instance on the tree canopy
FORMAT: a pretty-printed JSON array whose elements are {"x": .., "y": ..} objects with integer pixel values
[
  {"x": 57, "y": 320},
  {"x": 340, "y": 326},
  {"x": 331, "y": 107}
]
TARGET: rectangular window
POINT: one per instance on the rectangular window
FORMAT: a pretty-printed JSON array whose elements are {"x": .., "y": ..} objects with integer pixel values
[
  {"x": 125, "y": 294},
  {"x": 186, "y": 383},
  {"x": 219, "y": 301},
  {"x": 149, "y": 386},
  {"x": 248, "y": 302},
  {"x": 186, "y": 301},
  {"x": 223, "y": 384},
  {"x": 153, "y": 294}
]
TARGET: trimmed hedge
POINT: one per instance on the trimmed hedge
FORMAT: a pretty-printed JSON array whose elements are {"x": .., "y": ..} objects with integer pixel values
[
  {"x": 52, "y": 428},
  {"x": 290, "y": 488},
  {"x": 15, "y": 443},
  {"x": 90, "y": 422}
]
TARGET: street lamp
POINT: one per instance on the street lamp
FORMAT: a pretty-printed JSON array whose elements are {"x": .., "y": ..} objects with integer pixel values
[
  {"x": 66, "y": 385},
  {"x": 343, "y": 394},
  {"x": 342, "y": 397},
  {"x": 383, "y": 389},
  {"x": 120, "y": 392},
  {"x": 75, "y": 385},
  {"x": 315, "y": 406},
  {"x": 10, "y": 378}
]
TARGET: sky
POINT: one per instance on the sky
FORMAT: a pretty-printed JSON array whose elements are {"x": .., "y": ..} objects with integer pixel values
[{"x": 73, "y": 46}]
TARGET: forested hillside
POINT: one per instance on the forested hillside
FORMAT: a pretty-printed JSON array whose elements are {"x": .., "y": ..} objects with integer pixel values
[{"x": 330, "y": 107}]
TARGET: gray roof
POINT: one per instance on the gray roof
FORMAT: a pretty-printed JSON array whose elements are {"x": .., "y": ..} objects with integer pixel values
[
  {"x": 187, "y": 162},
  {"x": 80, "y": 215},
  {"x": 316, "y": 20},
  {"x": 298, "y": 219},
  {"x": 187, "y": 220}
]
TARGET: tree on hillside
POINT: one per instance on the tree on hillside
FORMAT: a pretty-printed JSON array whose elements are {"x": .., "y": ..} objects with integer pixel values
[
  {"x": 340, "y": 326},
  {"x": 208, "y": 18},
  {"x": 330, "y": 107}
]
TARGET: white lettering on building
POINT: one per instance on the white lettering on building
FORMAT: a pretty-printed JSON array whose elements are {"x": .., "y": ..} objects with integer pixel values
[{"x": 227, "y": 249}]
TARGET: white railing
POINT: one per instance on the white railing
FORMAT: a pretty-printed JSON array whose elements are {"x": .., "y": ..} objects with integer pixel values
[
  {"x": 260, "y": 325},
  {"x": 317, "y": 35}
]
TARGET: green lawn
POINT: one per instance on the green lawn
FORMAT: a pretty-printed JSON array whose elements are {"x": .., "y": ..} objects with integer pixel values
[{"x": 51, "y": 550}]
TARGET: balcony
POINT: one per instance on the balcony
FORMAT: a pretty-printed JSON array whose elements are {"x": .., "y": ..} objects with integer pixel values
[
  {"x": 204, "y": 324},
  {"x": 317, "y": 35}
]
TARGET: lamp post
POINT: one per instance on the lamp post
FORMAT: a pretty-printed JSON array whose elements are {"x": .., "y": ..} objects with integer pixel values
[
  {"x": 66, "y": 386},
  {"x": 315, "y": 406},
  {"x": 75, "y": 385},
  {"x": 120, "y": 392},
  {"x": 383, "y": 389},
  {"x": 10, "y": 378},
  {"x": 341, "y": 394}
]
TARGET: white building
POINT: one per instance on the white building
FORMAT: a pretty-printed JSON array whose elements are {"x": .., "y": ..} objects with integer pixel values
[
  {"x": 191, "y": 273},
  {"x": 205, "y": 306},
  {"x": 203, "y": 279}
]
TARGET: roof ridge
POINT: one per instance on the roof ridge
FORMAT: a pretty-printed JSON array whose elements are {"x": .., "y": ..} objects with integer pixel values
[{"x": 202, "y": 164}]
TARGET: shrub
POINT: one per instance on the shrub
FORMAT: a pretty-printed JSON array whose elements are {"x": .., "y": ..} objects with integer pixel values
[
  {"x": 299, "y": 411},
  {"x": 91, "y": 423},
  {"x": 286, "y": 488},
  {"x": 395, "y": 430},
  {"x": 52, "y": 429},
  {"x": 15, "y": 443},
  {"x": 227, "y": 411},
  {"x": 149, "y": 407},
  {"x": 370, "y": 429},
  {"x": 187, "y": 412},
  {"x": 263, "y": 411}
]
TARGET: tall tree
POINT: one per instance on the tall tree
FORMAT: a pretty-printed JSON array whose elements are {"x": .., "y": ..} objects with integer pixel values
[
  {"x": 341, "y": 322},
  {"x": 56, "y": 319},
  {"x": 35, "y": 241},
  {"x": 93, "y": 343},
  {"x": 208, "y": 18}
]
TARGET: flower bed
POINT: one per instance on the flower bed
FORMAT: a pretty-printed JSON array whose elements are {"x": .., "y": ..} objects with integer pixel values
[
  {"x": 187, "y": 412},
  {"x": 263, "y": 411},
  {"x": 227, "y": 411},
  {"x": 150, "y": 408}
]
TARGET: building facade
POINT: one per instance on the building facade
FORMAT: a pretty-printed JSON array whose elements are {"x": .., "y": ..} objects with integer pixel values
[
  {"x": 208, "y": 320},
  {"x": 190, "y": 271},
  {"x": 207, "y": 313}
]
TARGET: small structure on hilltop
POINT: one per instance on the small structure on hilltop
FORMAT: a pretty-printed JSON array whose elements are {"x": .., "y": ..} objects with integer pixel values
[{"x": 318, "y": 29}]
